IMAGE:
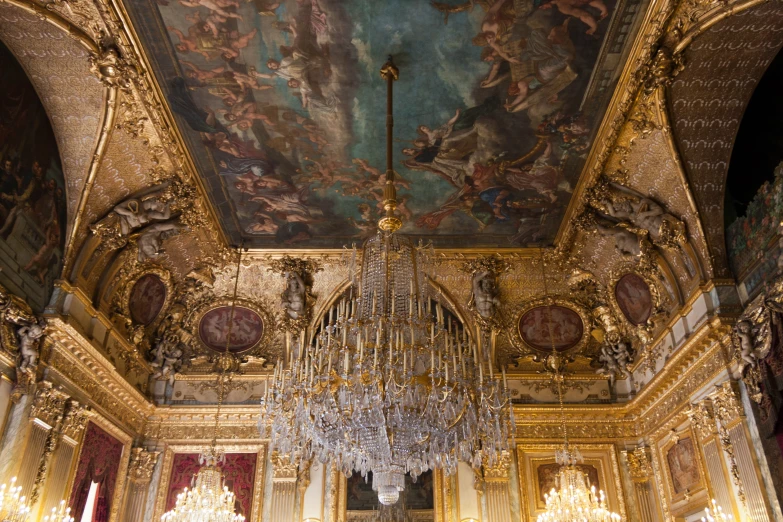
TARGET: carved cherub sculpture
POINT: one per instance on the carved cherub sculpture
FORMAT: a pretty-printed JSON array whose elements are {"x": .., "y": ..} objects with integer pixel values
[
  {"x": 485, "y": 293},
  {"x": 29, "y": 337},
  {"x": 168, "y": 357},
  {"x": 744, "y": 330},
  {"x": 294, "y": 299},
  {"x": 135, "y": 213},
  {"x": 150, "y": 241},
  {"x": 615, "y": 358}
]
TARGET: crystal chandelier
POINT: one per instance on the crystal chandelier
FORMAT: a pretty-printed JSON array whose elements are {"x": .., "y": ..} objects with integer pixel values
[
  {"x": 210, "y": 500},
  {"x": 716, "y": 514},
  {"x": 13, "y": 505},
  {"x": 390, "y": 381},
  {"x": 572, "y": 499}
]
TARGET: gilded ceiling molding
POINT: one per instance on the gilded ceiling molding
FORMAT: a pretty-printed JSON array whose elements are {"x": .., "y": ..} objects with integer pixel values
[
  {"x": 637, "y": 108},
  {"x": 738, "y": 40},
  {"x": 76, "y": 362}
]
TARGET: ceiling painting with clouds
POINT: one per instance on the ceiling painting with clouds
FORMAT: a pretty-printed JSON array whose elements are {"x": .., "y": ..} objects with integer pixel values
[{"x": 282, "y": 107}]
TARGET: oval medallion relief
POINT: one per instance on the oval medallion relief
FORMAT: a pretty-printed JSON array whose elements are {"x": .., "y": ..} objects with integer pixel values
[
  {"x": 246, "y": 331},
  {"x": 147, "y": 298},
  {"x": 634, "y": 298},
  {"x": 542, "y": 326}
]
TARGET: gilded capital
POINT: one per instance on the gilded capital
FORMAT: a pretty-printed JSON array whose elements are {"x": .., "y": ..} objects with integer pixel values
[
  {"x": 639, "y": 465},
  {"x": 75, "y": 420},
  {"x": 142, "y": 465},
  {"x": 282, "y": 468},
  {"x": 500, "y": 471},
  {"x": 48, "y": 404}
]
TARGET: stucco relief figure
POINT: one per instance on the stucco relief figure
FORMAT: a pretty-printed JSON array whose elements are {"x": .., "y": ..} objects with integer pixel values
[
  {"x": 294, "y": 299},
  {"x": 168, "y": 357},
  {"x": 625, "y": 241},
  {"x": 136, "y": 213},
  {"x": 486, "y": 296},
  {"x": 642, "y": 212},
  {"x": 744, "y": 331},
  {"x": 29, "y": 338},
  {"x": 615, "y": 358},
  {"x": 297, "y": 298},
  {"x": 151, "y": 239}
]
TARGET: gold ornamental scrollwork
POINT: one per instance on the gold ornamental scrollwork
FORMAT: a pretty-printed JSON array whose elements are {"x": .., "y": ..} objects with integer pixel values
[
  {"x": 523, "y": 347},
  {"x": 142, "y": 465}
]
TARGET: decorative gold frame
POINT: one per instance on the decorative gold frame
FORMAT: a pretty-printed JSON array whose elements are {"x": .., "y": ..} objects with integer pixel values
[
  {"x": 515, "y": 336},
  {"x": 340, "y": 513},
  {"x": 656, "y": 301},
  {"x": 258, "y": 482},
  {"x": 678, "y": 502},
  {"x": 193, "y": 321},
  {"x": 129, "y": 283},
  {"x": 602, "y": 456}
]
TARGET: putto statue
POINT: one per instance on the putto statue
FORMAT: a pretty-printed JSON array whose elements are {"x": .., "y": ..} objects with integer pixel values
[
  {"x": 485, "y": 298},
  {"x": 29, "y": 340},
  {"x": 615, "y": 359},
  {"x": 297, "y": 298}
]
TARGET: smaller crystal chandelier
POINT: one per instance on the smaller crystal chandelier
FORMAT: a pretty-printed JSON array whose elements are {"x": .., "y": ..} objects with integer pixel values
[
  {"x": 716, "y": 514},
  {"x": 13, "y": 505},
  {"x": 59, "y": 514},
  {"x": 210, "y": 500},
  {"x": 573, "y": 499},
  {"x": 393, "y": 513}
]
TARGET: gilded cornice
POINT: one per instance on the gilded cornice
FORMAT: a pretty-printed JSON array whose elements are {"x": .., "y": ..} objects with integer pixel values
[{"x": 73, "y": 360}]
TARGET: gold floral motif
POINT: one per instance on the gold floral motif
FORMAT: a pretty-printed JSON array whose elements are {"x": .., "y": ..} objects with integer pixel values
[
  {"x": 639, "y": 466},
  {"x": 283, "y": 468}
]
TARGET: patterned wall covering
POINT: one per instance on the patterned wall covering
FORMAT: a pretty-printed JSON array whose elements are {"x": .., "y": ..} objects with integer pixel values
[
  {"x": 750, "y": 236},
  {"x": 239, "y": 471},
  {"x": 99, "y": 462},
  {"x": 708, "y": 99}
]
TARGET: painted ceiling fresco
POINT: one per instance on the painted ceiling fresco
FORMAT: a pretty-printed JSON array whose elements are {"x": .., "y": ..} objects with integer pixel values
[{"x": 283, "y": 110}]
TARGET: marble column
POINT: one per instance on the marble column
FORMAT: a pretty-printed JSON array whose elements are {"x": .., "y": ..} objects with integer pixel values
[
  {"x": 46, "y": 420},
  {"x": 497, "y": 490},
  {"x": 468, "y": 494},
  {"x": 284, "y": 478},
  {"x": 313, "y": 501},
  {"x": 140, "y": 469},
  {"x": 640, "y": 471}
]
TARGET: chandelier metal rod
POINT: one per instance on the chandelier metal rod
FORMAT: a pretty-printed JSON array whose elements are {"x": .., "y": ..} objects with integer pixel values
[{"x": 222, "y": 374}]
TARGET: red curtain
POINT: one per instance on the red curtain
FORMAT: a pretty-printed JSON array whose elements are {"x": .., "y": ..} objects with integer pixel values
[
  {"x": 239, "y": 471},
  {"x": 99, "y": 462}
]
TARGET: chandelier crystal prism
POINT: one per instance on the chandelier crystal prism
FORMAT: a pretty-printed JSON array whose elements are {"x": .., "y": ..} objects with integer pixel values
[{"x": 389, "y": 381}]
